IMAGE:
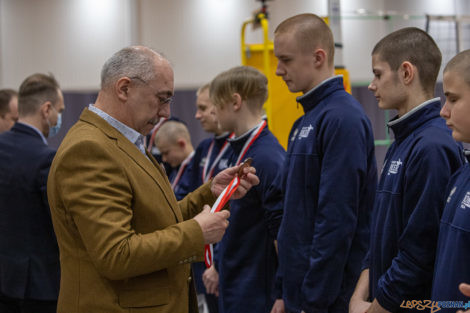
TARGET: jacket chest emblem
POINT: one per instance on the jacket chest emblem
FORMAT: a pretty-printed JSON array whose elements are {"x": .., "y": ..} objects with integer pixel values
[
  {"x": 223, "y": 164},
  {"x": 305, "y": 131},
  {"x": 394, "y": 167},
  {"x": 466, "y": 201}
]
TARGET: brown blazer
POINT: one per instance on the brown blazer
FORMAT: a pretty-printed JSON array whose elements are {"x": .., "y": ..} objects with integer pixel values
[{"x": 125, "y": 243}]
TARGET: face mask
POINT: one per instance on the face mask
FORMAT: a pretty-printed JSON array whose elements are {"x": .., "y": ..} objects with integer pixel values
[{"x": 53, "y": 130}]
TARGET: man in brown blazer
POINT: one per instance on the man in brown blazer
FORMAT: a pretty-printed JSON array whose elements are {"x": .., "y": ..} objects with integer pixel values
[{"x": 125, "y": 242}]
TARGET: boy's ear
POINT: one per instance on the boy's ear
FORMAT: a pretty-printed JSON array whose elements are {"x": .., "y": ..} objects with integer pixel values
[
  {"x": 237, "y": 101},
  {"x": 181, "y": 143},
  {"x": 407, "y": 72},
  {"x": 319, "y": 57}
]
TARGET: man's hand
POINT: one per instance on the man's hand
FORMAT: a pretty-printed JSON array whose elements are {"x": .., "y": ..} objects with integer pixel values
[
  {"x": 358, "y": 305},
  {"x": 247, "y": 180},
  {"x": 213, "y": 225},
  {"x": 278, "y": 306},
  {"x": 465, "y": 290},
  {"x": 210, "y": 279}
]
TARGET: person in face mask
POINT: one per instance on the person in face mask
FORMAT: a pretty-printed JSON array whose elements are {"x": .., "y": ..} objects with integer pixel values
[{"x": 29, "y": 256}]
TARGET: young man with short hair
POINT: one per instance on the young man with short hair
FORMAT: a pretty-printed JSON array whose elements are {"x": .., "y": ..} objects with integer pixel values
[
  {"x": 409, "y": 198},
  {"x": 452, "y": 269},
  {"x": 328, "y": 178}
]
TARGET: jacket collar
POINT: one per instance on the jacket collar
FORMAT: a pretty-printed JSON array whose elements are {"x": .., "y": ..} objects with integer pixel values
[
  {"x": 314, "y": 96},
  {"x": 24, "y": 128},
  {"x": 147, "y": 163},
  {"x": 221, "y": 139},
  {"x": 237, "y": 143},
  {"x": 402, "y": 126}
]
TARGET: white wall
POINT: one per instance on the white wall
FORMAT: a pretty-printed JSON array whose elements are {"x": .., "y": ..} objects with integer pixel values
[
  {"x": 73, "y": 38},
  {"x": 202, "y": 38},
  {"x": 70, "y": 39}
]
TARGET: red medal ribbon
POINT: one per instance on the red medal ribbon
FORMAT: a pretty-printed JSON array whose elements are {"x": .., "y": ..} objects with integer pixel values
[{"x": 230, "y": 189}]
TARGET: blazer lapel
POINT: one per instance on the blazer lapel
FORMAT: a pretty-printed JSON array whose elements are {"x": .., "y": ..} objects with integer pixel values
[{"x": 152, "y": 168}]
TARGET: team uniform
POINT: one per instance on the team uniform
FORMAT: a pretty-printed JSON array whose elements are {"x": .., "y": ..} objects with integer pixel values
[
  {"x": 329, "y": 180},
  {"x": 408, "y": 206},
  {"x": 453, "y": 256},
  {"x": 180, "y": 177},
  {"x": 210, "y": 158},
  {"x": 246, "y": 258}
]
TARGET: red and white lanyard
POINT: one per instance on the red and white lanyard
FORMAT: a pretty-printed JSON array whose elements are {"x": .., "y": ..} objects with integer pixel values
[
  {"x": 154, "y": 132},
  {"x": 208, "y": 172},
  {"x": 230, "y": 189},
  {"x": 181, "y": 170}
]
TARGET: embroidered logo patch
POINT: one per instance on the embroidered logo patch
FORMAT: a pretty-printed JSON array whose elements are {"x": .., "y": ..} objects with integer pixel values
[
  {"x": 305, "y": 131},
  {"x": 394, "y": 167},
  {"x": 466, "y": 201},
  {"x": 223, "y": 163}
]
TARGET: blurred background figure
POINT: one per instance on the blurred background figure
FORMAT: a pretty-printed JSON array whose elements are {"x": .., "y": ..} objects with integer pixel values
[
  {"x": 174, "y": 143},
  {"x": 8, "y": 109},
  {"x": 29, "y": 255}
]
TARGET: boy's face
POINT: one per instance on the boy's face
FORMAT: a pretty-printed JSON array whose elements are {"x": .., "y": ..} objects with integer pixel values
[
  {"x": 386, "y": 85},
  {"x": 172, "y": 154},
  {"x": 456, "y": 110},
  {"x": 205, "y": 113},
  {"x": 226, "y": 117},
  {"x": 295, "y": 66}
]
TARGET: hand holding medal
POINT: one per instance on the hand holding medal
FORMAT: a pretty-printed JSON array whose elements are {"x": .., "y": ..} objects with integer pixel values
[{"x": 245, "y": 173}]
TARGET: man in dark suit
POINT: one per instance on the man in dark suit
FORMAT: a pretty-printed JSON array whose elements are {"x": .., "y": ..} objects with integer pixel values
[
  {"x": 8, "y": 109},
  {"x": 29, "y": 256}
]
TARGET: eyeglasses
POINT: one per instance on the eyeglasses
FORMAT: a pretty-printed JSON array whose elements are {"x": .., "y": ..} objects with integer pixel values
[{"x": 161, "y": 99}]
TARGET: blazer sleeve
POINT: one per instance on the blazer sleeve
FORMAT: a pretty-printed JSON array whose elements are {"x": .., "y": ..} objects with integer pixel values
[
  {"x": 194, "y": 202},
  {"x": 98, "y": 198}
]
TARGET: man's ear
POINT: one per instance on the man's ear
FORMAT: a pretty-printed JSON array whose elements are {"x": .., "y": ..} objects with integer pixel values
[
  {"x": 121, "y": 88},
  {"x": 407, "y": 72},
  {"x": 237, "y": 102},
  {"x": 46, "y": 108}
]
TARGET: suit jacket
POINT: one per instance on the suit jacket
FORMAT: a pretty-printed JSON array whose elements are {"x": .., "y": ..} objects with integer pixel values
[
  {"x": 125, "y": 243},
  {"x": 29, "y": 256}
]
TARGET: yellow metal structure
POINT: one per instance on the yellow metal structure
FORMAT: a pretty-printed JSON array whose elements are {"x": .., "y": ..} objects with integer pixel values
[{"x": 281, "y": 106}]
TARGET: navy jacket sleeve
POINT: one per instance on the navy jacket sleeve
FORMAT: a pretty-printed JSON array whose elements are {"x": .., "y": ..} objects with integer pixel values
[
  {"x": 41, "y": 178},
  {"x": 427, "y": 173},
  {"x": 344, "y": 166}
]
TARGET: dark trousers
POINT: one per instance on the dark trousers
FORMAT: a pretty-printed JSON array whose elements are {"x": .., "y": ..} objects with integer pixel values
[
  {"x": 10, "y": 305},
  {"x": 212, "y": 303}
]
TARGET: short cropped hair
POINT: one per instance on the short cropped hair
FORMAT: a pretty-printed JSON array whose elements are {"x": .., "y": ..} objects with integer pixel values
[
  {"x": 172, "y": 131},
  {"x": 460, "y": 64},
  {"x": 35, "y": 90},
  {"x": 248, "y": 82},
  {"x": 5, "y": 97},
  {"x": 129, "y": 62},
  {"x": 415, "y": 46},
  {"x": 311, "y": 32}
]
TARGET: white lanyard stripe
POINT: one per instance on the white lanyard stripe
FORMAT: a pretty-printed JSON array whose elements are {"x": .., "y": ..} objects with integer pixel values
[
  {"x": 250, "y": 140},
  {"x": 181, "y": 170},
  {"x": 205, "y": 175}
]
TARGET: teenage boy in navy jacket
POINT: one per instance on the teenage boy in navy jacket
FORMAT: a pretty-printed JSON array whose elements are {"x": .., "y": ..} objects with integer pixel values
[
  {"x": 210, "y": 158},
  {"x": 174, "y": 143},
  {"x": 409, "y": 198},
  {"x": 329, "y": 176},
  {"x": 453, "y": 256},
  {"x": 246, "y": 258}
]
